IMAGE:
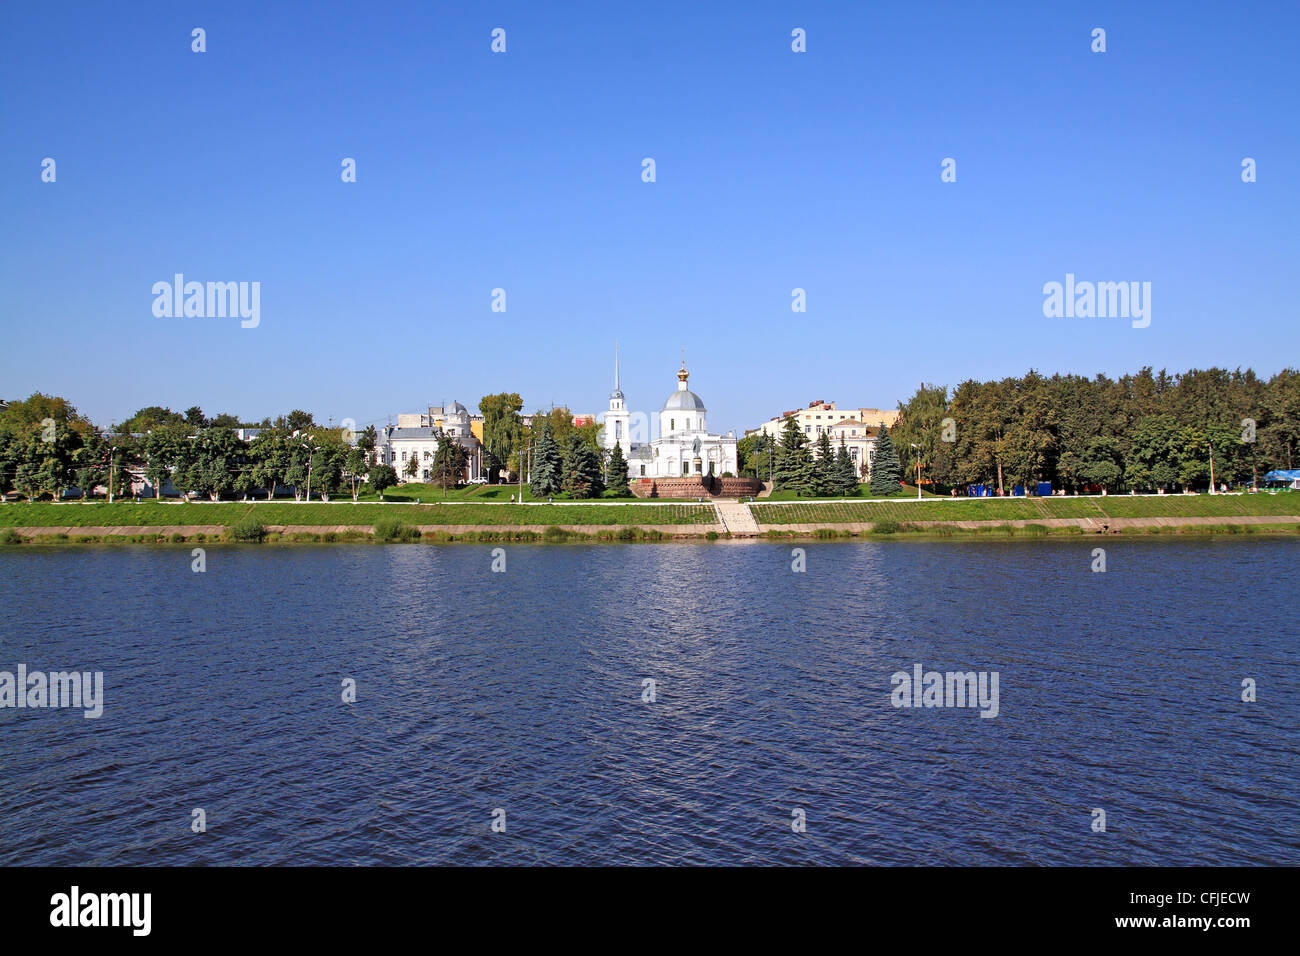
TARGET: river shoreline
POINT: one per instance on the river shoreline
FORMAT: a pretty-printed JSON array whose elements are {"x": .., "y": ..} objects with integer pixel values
[{"x": 882, "y": 530}]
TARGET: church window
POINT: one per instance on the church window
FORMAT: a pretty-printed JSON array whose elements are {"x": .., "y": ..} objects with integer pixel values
[
  {"x": 688, "y": 424},
  {"x": 618, "y": 430},
  {"x": 686, "y": 468},
  {"x": 643, "y": 471},
  {"x": 672, "y": 424}
]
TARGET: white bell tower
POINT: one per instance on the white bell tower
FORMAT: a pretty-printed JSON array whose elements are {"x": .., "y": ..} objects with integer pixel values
[{"x": 617, "y": 418}]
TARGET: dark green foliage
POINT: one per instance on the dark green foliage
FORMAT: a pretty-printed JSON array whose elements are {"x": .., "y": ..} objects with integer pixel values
[
  {"x": 616, "y": 470},
  {"x": 247, "y": 529},
  {"x": 582, "y": 470},
  {"x": 886, "y": 473},
  {"x": 846, "y": 473},
  {"x": 548, "y": 466},
  {"x": 394, "y": 529},
  {"x": 794, "y": 464},
  {"x": 825, "y": 476},
  {"x": 449, "y": 460},
  {"x": 381, "y": 477}
]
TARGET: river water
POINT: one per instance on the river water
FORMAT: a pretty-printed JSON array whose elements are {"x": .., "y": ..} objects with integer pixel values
[{"x": 520, "y": 698}]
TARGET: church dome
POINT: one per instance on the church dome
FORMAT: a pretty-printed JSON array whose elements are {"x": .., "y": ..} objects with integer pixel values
[{"x": 684, "y": 400}]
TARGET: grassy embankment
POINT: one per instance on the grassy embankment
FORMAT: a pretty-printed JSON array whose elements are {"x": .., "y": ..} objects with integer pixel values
[
  {"x": 152, "y": 514},
  {"x": 426, "y": 493},
  {"x": 994, "y": 513}
]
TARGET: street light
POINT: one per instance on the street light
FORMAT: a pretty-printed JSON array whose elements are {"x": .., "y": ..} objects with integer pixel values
[
  {"x": 311, "y": 454},
  {"x": 918, "y": 469}
]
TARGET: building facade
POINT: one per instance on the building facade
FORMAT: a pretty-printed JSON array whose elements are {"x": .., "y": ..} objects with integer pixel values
[
  {"x": 415, "y": 437},
  {"x": 858, "y": 427}
]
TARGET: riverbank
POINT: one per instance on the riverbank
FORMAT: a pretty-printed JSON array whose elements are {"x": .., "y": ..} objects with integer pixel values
[
  {"x": 439, "y": 534},
  {"x": 153, "y": 522}
]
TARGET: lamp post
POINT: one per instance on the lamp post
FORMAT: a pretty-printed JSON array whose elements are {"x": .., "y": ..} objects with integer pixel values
[
  {"x": 311, "y": 455},
  {"x": 918, "y": 469}
]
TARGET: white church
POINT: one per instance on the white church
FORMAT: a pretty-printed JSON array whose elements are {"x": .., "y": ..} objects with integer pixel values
[{"x": 684, "y": 446}]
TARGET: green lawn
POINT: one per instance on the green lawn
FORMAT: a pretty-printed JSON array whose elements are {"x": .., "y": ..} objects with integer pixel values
[
  {"x": 864, "y": 493},
  {"x": 1029, "y": 509},
  {"x": 47, "y": 514},
  {"x": 428, "y": 492}
]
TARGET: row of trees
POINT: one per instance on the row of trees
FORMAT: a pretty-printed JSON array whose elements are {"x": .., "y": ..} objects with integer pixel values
[
  {"x": 1143, "y": 431},
  {"x": 46, "y": 446}
]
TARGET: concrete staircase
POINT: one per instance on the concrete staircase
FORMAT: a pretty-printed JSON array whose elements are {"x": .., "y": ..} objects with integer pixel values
[{"x": 736, "y": 518}]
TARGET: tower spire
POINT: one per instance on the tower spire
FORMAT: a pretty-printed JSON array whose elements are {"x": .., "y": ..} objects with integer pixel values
[{"x": 616, "y": 365}]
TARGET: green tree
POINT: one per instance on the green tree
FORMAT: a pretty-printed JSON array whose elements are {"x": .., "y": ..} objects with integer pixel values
[
  {"x": 358, "y": 462},
  {"x": 794, "y": 466},
  {"x": 1155, "y": 457},
  {"x": 503, "y": 430},
  {"x": 548, "y": 465},
  {"x": 921, "y": 423},
  {"x": 147, "y": 419},
  {"x": 616, "y": 469},
  {"x": 269, "y": 456},
  {"x": 449, "y": 460},
  {"x": 824, "y": 476},
  {"x": 846, "y": 473},
  {"x": 164, "y": 450},
  {"x": 582, "y": 469},
  {"x": 886, "y": 474},
  {"x": 1100, "y": 463},
  {"x": 381, "y": 477}
]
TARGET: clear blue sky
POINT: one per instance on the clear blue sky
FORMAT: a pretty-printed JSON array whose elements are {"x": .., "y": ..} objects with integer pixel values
[{"x": 523, "y": 171}]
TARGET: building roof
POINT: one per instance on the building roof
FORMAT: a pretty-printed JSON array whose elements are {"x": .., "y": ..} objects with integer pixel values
[{"x": 684, "y": 400}]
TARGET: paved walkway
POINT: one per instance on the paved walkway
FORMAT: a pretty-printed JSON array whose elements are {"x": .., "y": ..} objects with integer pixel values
[{"x": 736, "y": 517}]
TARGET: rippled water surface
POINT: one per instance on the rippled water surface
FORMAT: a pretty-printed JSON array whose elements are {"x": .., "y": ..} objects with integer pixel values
[{"x": 523, "y": 691}]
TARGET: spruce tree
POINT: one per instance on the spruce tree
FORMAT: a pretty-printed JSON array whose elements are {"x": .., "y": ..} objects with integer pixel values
[
  {"x": 793, "y": 460},
  {"x": 886, "y": 473},
  {"x": 548, "y": 466},
  {"x": 616, "y": 471},
  {"x": 581, "y": 468},
  {"x": 824, "y": 476},
  {"x": 846, "y": 473}
]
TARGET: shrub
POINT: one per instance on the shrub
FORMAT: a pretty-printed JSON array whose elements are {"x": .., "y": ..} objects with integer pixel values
[
  {"x": 554, "y": 533},
  {"x": 711, "y": 536},
  {"x": 248, "y": 529},
  {"x": 177, "y": 538},
  {"x": 10, "y": 536},
  {"x": 393, "y": 529},
  {"x": 885, "y": 526}
]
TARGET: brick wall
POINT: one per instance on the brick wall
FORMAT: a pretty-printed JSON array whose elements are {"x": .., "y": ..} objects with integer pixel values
[{"x": 695, "y": 487}]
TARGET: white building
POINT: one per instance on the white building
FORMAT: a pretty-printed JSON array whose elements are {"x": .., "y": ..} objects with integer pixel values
[
  {"x": 821, "y": 417},
  {"x": 684, "y": 446},
  {"x": 415, "y": 436}
]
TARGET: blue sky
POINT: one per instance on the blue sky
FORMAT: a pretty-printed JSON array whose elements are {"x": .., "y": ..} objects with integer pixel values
[{"x": 522, "y": 171}]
